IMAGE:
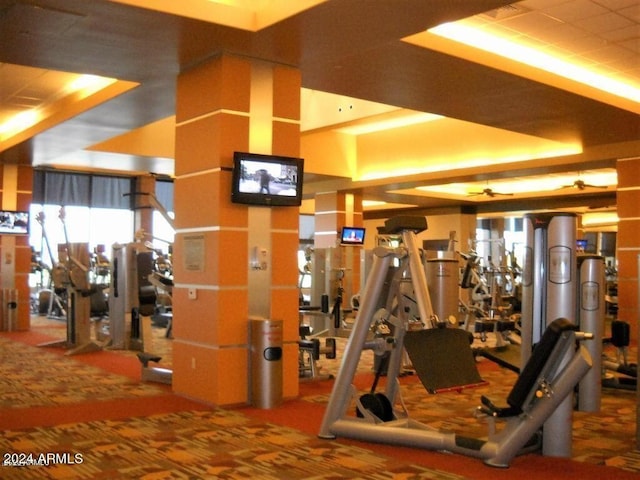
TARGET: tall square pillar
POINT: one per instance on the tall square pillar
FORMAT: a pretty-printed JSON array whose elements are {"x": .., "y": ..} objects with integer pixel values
[
  {"x": 16, "y": 183},
  {"x": 628, "y": 240},
  {"x": 224, "y": 105}
]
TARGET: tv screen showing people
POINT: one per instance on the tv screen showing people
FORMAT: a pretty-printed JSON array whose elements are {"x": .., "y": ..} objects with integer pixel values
[
  {"x": 269, "y": 180},
  {"x": 352, "y": 236},
  {"x": 14, "y": 223}
]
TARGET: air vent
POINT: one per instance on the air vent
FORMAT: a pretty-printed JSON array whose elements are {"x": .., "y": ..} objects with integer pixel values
[{"x": 507, "y": 11}]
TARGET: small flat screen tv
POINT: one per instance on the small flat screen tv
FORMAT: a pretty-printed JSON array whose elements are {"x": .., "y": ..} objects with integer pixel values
[
  {"x": 14, "y": 222},
  {"x": 269, "y": 180},
  {"x": 352, "y": 236}
]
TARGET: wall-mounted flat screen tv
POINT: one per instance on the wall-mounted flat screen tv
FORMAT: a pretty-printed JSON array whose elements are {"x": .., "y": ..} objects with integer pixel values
[
  {"x": 269, "y": 180},
  {"x": 352, "y": 236},
  {"x": 14, "y": 222}
]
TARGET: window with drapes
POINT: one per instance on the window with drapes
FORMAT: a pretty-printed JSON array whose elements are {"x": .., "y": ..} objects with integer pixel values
[
  {"x": 96, "y": 211},
  {"x": 82, "y": 189}
]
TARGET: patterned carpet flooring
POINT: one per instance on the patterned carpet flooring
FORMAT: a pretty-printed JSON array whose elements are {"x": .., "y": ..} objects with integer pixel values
[
  {"x": 36, "y": 377},
  {"x": 598, "y": 438},
  {"x": 227, "y": 444},
  {"x": 199, "y": 445}
]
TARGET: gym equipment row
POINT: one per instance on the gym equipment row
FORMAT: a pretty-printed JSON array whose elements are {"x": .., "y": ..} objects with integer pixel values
[
  {"x": 618, "y": 372},
  {"x": 310, "y": 349},
  {"x": 121, "y": 321},
  {"x": 72, "y": 277},
  {"x": 325, "y": 315},
  {"x": 443, "y": 360}
]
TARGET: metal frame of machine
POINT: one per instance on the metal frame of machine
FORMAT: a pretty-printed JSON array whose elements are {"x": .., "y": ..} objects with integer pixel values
[{"x": 547, "y": 379}]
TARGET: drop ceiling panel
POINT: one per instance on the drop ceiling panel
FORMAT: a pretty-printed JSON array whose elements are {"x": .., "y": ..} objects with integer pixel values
[{"x": 349, "y": 49}]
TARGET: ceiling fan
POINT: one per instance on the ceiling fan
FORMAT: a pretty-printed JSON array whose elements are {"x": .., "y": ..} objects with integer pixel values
[
  {"x": 581, "y": 185},
  {"x": 488, "y": 192}
]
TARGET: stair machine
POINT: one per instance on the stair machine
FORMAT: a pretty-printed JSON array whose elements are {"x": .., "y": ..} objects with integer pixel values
[{"x": 443, "y": 360}]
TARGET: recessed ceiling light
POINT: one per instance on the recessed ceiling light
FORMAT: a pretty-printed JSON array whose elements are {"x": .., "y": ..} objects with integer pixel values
[
  {"x": 482, "y": 39},
  {"x": 388, "y": 124}
]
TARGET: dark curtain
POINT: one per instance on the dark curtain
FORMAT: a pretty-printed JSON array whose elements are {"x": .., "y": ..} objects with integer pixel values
[
  {"x": 164, "y": 194},
  {"x": 80, "y": 189}
]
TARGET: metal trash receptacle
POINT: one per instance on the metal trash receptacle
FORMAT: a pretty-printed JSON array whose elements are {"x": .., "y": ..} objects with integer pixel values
[
  {"x": 442, "y": 279},
  {"x": 8, "y": 309},
  {"x": 266, "y": 362}
]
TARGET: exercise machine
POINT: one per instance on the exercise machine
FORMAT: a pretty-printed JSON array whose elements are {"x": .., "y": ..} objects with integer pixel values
[
  {"x": 74, "y": 273},
  {"x": 443, "y": 361},
  {"x": 154, "y": 373},
  {"x": 310, "y": 348},
  {"x": 332, "y": 285},
  {"x": 132, "y": 297},
  {"x": 146, "y": 272},
  {"x": 52, "y": 301},
  {"x": 618, "y": 372}
]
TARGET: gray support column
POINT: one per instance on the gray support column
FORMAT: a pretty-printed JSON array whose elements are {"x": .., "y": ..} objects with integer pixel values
[
  {"x": 549, "y": 292},
  {"x": 591, "y": 312}
]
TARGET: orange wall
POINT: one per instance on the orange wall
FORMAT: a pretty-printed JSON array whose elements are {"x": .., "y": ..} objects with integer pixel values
[{"x": 628, "y": 241}]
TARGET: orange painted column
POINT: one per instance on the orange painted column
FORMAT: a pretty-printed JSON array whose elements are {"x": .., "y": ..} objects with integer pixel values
[
  {"x": 224, "y": 105},
  {"x": 15, "y": 253},
  {"x": 334, "y": 210},
  {"x": 628, "y": 241}
]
